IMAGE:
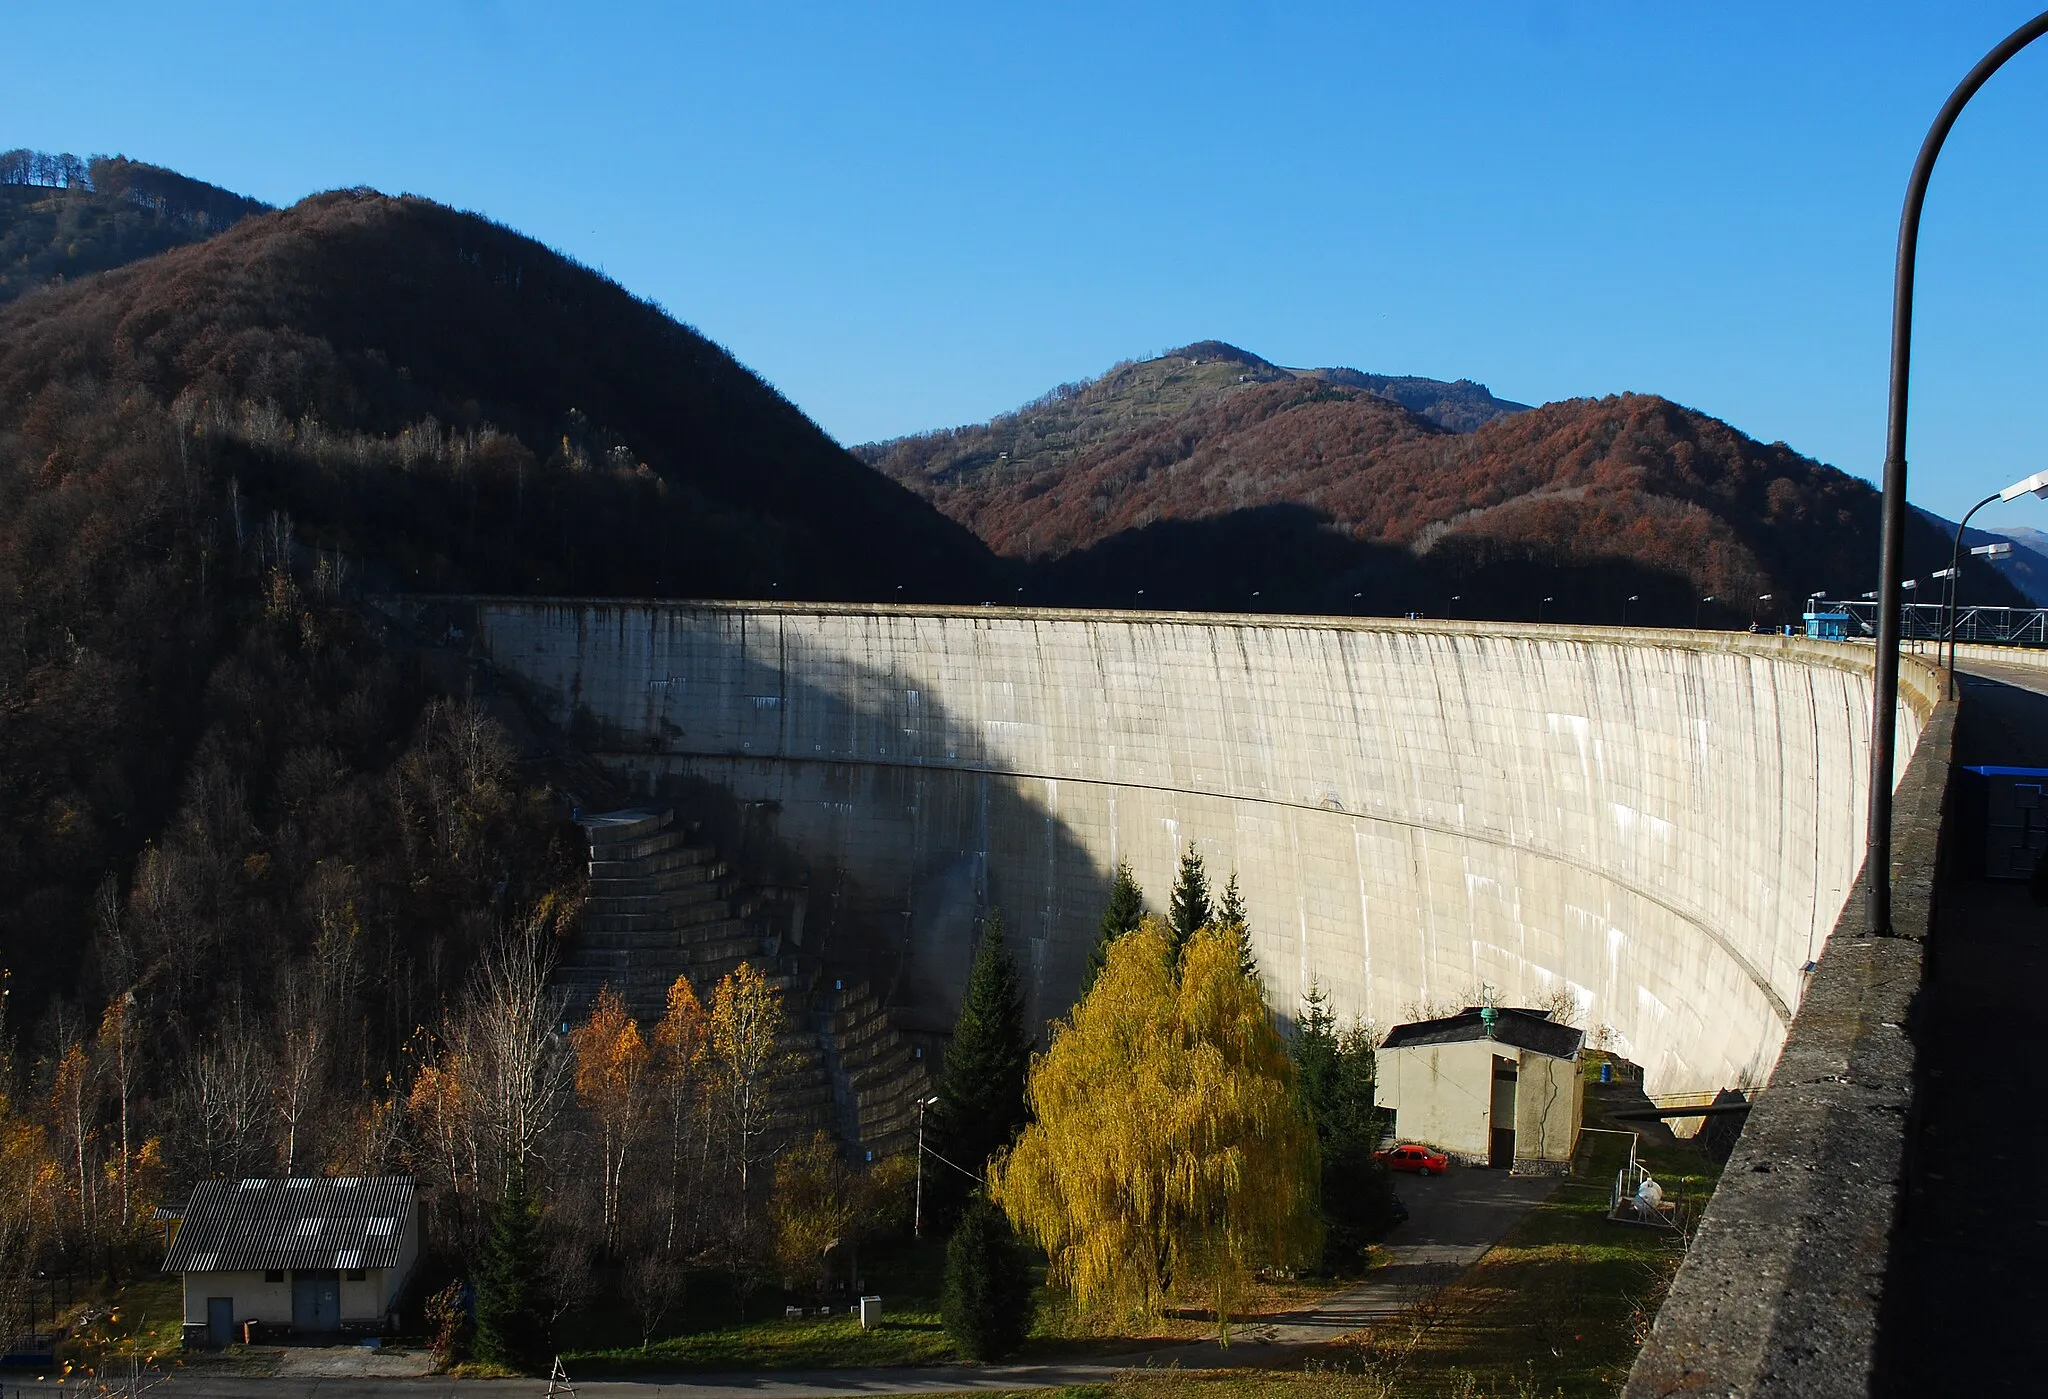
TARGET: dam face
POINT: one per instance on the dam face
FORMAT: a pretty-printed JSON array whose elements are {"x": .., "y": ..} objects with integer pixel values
[{"x": 1663, "y": 826}]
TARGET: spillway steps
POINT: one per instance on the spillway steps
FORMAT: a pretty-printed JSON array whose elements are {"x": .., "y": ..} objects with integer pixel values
[{"x": 661, "y": 905}]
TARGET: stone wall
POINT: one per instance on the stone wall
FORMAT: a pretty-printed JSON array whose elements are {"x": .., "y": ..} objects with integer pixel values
[{"x": 1662, "y": 825}]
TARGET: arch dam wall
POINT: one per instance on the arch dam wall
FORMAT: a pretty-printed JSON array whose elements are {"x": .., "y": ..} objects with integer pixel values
[{"x": 1663, "y": 824}]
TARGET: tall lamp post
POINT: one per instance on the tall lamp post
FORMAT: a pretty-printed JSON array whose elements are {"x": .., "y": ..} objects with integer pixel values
[
  {"x": 2035, "y": 485},
  {"x": 917, "y": 1209},
  {"x": 1877, "y": 859}
]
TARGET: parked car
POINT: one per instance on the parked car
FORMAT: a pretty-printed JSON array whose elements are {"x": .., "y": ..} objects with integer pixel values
[{"x": 1413, "y": 1156}]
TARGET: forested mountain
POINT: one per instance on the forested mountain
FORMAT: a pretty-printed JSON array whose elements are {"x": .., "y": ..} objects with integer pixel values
[
  {"x": 62, "y": 218},
  {"x": 1299, "y": 493},
  {"x": 952, "y": 467},
  {"x": 216, "y": 789}
]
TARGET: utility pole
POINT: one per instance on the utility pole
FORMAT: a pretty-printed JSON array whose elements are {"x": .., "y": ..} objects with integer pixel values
[{"x": 917, "y": 1209}]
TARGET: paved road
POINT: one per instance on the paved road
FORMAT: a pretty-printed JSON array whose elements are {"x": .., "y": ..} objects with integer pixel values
[
  {"x": 1453, "y": 1220},
  {"x": 1972, "y": 1259}
]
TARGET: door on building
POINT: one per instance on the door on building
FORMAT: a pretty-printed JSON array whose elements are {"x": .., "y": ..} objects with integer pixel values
[
  {"x": 220, "y": 1321},
  {"x": 1501, "y": 1149},
  {"x": 316, "y": 1301}
]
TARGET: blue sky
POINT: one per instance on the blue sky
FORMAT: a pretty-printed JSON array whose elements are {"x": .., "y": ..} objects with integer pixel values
[{"x": 909, "y": 216}]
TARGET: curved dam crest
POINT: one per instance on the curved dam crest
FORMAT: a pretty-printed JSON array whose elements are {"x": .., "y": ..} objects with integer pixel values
[{"x": 1664, "y": 825}]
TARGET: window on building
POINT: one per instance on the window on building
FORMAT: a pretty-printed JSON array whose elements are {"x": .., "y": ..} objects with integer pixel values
[
  {"x": 355, "y": 1274},
  {"x": 274, "y": 1275}
]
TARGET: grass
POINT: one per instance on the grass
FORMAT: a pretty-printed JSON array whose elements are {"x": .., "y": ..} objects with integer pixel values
[
  {"x": 911, "y": 1332},
  {"x": 904, "y": 1338},
  {"x": 141, "y": 1320}
]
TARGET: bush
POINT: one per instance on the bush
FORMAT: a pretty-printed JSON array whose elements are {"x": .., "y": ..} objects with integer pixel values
[{"x": 986, "y": 1304}]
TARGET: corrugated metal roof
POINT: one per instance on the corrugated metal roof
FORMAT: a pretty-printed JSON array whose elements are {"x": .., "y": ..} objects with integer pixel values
[
  {"x": 304, "y": 1222},
  {"x": 1523, "y": 1029}
]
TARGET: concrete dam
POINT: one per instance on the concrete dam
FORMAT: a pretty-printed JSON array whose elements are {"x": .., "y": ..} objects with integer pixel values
[{"x": 1661, "y": 827}]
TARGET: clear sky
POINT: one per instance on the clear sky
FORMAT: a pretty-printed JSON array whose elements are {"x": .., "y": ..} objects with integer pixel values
[{"x": 911, "y": 216}]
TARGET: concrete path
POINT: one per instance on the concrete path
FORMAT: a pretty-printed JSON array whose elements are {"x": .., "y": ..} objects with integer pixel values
[
  {"x": 1453, "y": 1220},
  {"x": 1971, "y": 1270}
]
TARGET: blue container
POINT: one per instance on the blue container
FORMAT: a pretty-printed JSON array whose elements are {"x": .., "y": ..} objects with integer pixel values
[{"x": 1606, "y": 1072}]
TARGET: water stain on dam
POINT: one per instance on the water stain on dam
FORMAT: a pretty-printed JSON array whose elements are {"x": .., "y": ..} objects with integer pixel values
[{"x": 1663, "y": 825}]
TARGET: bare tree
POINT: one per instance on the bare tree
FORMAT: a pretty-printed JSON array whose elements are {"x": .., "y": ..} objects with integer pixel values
[
  {"x": 524, "y": 1066},
  {"x": 302, "y": 1053},
  {"x": 221, "y": 1102}
]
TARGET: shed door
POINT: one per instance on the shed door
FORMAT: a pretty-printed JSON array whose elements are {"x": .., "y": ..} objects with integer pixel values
[
  {"x": 316, "y": 1301},
  {"x": 1501, "y": 1144},
  {"x": 220, "y": 1321}
]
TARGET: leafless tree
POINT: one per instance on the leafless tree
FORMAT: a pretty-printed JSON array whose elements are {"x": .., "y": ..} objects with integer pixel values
[
  {"x": 523, "y": 1062},
  {"x": 221, "y": 1102}
]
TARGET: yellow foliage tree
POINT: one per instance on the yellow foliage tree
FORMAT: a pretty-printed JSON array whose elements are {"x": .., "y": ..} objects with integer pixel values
[
  {"x": 612, "y": 1081},
  {"x": 681, "y": 1042},
  {"x": 1168, "y": 1151},
  {"x": 814, "y": 1209},
  {"x": 746, "y": 1020}
]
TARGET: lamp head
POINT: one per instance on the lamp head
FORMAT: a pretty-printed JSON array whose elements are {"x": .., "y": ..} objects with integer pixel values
[{"x": 2035, "y": 485}]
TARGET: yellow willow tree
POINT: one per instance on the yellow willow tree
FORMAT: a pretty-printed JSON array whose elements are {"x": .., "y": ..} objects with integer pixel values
[
  {"x": 612, "y": 1082},
  {"x": 681, "y": 1042},
  {"x": 1168, "y": 1151}
]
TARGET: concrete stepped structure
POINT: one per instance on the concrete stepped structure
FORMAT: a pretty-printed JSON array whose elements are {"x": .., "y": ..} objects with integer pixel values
[
  {"x": 878, "y": 1074},
  {"x": 663, "y": 905}
]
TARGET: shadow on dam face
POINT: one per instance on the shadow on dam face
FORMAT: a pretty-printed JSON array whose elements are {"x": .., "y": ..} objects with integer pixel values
[{"x": 1661, "y": 827}]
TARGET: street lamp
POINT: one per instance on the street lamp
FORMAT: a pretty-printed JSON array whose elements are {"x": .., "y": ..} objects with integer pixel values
[
  {"x": 917, "y": 1210},
  {"x": 1696, "y": 609},
  {"x": 1541, "y": 605},
  {"x": 1877, "y": 858},
  {"x": 1761, "y": 599},
  {"x": 1632, "y": 597},
  {"x": 2036, "y": 486}
]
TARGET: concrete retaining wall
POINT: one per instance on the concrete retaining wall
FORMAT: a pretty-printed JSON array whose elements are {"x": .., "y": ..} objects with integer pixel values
[{"x": 1665, "y": 825}]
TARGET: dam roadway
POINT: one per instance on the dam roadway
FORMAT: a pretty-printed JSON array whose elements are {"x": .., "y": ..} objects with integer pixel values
[{"x": 1658, "y": 829}]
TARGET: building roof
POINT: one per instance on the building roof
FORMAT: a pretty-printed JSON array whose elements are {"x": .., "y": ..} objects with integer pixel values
[
  {"x": 343, "y": 1222},
  {"x": 1532, "y": 1030}
]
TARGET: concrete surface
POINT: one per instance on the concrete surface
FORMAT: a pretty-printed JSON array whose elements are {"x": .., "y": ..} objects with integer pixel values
[
  {"x": 1783, "y": 1289},
  {"x": 1663, "y": 825}
]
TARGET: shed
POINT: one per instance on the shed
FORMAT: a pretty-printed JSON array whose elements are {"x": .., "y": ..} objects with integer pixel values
[
  {"x": 316, "y": 1254},
  {"x": 1495, "y": 1086}
]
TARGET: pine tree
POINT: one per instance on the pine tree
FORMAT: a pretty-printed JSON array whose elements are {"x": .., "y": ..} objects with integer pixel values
[
  {"x": 511, "y": 1314},
  {"x": 1334, "y": 1073},
  {"x": 981, "y": 1088},
  {"x": 1231, "y": 917},
  {"x": 1126, "y": 907},
  {"x": 986, "y": 1301},
  {"x": 1188, "y": 911}
]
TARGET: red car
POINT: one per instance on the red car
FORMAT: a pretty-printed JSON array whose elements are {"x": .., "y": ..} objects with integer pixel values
[{"x": 1413, "y": 1156}]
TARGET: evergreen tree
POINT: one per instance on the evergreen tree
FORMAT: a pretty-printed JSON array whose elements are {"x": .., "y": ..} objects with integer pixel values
[
  {"x": 511, "y": 1312},
  {"x": 986, "y": 1301},
  {"x": 1188, "y": 911},
  {"x": 1334, "y": 1073},
  {"x": 981, "y": 1088},
  {"x": 1126, "y": 907},
  {"x": 1230, "y": 916}
]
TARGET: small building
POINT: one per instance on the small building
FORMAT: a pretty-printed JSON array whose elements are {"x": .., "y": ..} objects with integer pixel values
[
  {"x": 1492, "y": 1086},
  {"x": 1828, "y": 626},
  {"x": 314, "y": 1254}
]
